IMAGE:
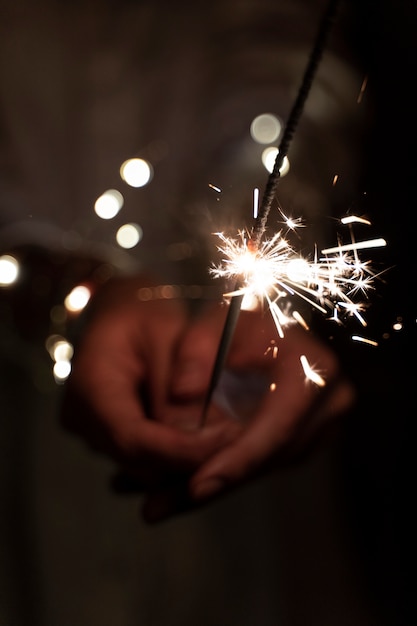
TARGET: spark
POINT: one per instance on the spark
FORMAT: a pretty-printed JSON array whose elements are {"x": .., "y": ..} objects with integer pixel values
[
  {"x": 370, "y": 342},
  {"x": 362, "y": 90},
  {"x": 300, "y": 319},
  {"x": 310, "y": 373},
  {"x": 360, "y": 245},
  {"x": 255, "y": 203},
  {"x": 354, "y": 309},
  {"x": 275, "y": 273},
  {"x": 292, "y": 223},
  {"x": 215, "y": 188},
  {"x": 351, "y": 219},
  {"x": 273, "y": 349}
]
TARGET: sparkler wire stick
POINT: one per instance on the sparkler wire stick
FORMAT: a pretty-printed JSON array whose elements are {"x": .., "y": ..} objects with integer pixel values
[
  {"x": 226, "y": 338},
  {"x": 270, "y": 190},
  {"x": 293, "y": 119}
]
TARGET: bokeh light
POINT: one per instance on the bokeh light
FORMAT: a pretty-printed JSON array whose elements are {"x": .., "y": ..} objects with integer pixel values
[
  {"x": 61, "y": 370},
  {"x": 77, "y": 299},
  {"x": 265, "y": 128},
  {"x": 269, "y": 156},
  {"x": 129, "y": 235},
  {"x": 9, "y": 270},
  {"x": 61, "y": 352},
  {"x": 136, "y": 172},
  {"x": 108, "y": 204}
]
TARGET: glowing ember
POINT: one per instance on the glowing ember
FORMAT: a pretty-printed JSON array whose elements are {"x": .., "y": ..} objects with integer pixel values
[
  {"x": 369, "y": 342},
  {"x": 310, "y": 373}
]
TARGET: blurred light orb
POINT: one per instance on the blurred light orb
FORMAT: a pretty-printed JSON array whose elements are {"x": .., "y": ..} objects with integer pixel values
[
  {"x": 62, "y": 351},
  {"x": 58, "y": 314},
  {"x": 136, "y": 172},
  {"x": 77, "y": 299},
  {"x": 129, "y": 235},
  {"x": 9, "y": 270},
  {"x": 265, "y": 128},
  {"x": 269, "y": 156},
  {"x": 59, "y": 348},
  {"x": 61, "y": 370},
  {"x": 108, "y": 204}
]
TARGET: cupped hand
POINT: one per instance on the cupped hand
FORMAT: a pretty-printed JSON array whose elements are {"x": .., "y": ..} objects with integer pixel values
[
  {"x": 140, "y": 377},
  {"x": 117, "y": 395},
  {"x": 264, "y": 389}
]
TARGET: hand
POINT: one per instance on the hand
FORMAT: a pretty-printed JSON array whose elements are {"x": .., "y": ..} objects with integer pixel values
[
  {"x": 117, "y": 395},
  {"x": 139, "y": 380},
  {"x": 264, "y": 387}
]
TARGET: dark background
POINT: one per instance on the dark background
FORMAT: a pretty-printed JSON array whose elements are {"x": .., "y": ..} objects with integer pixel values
[{"x": 85, "y": 85}]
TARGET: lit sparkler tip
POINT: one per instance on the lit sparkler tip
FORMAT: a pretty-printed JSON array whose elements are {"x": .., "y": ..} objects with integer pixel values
[
  {"x": 272, "y": 271},
  {"x": 252, "y": 246}
]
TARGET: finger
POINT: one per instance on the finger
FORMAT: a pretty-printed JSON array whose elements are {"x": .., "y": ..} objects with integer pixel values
[
  {"x": 121, "y": 352},
  {"x": 118, "y": 426},
  {"x": 159, "y": 333},
  {"x": 277, "y": 425},
  {"x": 196, "y": 354},
  {"x": 104, "y": 407}
]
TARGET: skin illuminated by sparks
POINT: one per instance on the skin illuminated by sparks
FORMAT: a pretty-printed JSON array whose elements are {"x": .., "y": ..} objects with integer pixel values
[{"x": 276, "y": 273}]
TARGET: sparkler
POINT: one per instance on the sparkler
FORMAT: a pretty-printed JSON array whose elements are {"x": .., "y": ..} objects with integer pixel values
[
  {"x": 270, "y": 190},
  {"x": 275, "y": 273},
  {"x": 271, "y": 270}
]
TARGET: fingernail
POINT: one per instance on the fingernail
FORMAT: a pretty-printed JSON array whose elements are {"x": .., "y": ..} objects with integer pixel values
[{"x": 207, "y": 488}]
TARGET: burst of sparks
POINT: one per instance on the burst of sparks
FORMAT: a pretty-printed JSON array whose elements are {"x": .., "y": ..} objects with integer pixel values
[{"x": 276, "y": 273}]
